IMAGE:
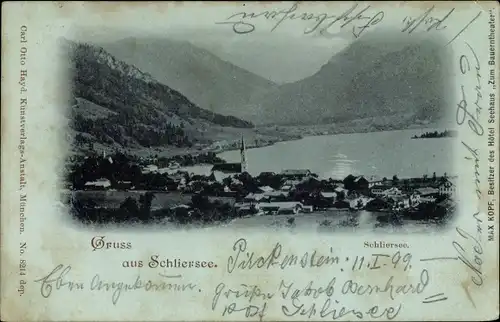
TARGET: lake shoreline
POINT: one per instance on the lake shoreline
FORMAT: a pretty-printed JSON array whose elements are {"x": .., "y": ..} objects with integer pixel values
[
  {"x": 278, "y": 133},
  {"x": 332, "y": 133}
]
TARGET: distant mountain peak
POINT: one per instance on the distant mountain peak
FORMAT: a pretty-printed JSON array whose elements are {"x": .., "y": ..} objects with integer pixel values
[
  {"x": 367, "y": 79},
  {"x": 205, "y": 79},
  {"x": 131, "y": 106}
]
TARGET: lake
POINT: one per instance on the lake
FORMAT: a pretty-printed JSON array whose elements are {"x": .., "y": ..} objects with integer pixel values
[{"x": 381, "y": 154}]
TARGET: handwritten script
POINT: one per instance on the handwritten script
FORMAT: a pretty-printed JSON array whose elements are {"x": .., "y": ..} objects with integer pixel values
[
  {"x": 58, "y": 280},
  {"x": 468, "y": 113},
  {"x": 331, "y": 297},
  {"x": 357, "y": 18},
  {"x": 431, "y": 21}
]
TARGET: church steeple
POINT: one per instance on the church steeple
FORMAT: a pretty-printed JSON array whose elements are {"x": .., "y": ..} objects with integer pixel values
[{"x": 244, "y": 166}]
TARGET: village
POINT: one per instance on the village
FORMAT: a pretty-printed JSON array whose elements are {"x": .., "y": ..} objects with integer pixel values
[{"x": 229, "y": 192}]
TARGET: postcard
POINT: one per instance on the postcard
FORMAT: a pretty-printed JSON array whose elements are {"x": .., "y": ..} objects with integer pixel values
[{"x": 249, "y": 161}]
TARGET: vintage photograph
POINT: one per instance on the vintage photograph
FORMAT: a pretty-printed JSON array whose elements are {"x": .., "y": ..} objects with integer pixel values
[{"x": 202, "y": 131}]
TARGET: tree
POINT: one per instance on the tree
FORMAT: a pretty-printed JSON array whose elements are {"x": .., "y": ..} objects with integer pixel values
[
  {"x": 434, "y": 176},
  {"x": 395, "y": 179},
  {"x": 349, "y": 182},
  {"x": 201, "y": 202},
  {"x": 181, "y": 215},
  {"x": 128, "y": 209},
  {"x": 145, "y": 202},
  {"x": 406, "y": 184}
]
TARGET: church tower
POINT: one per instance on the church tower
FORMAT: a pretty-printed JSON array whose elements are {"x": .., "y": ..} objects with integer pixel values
[{"x": 244, "y": 166}]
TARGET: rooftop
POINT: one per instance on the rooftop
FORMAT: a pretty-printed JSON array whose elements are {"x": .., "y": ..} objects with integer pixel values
[
  {"x": 303, "y": 172},
  {"x": 426, "y": 191},
  {"x": 358, "y": 178},
  {"x": 281, "y": 205}
]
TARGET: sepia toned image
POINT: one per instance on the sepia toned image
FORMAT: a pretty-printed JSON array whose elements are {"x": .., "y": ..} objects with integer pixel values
[
  {"x": 176, "y": 133},
  {"x": 249, "y": 161}
]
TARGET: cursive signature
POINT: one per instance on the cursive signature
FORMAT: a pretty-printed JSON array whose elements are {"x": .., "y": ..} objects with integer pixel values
[
  {"x": 473, "y": 261},
  {"x": 246, "y": 260},
  {"x": 56, "y": 278},
  {"x": 474, "y": 156},
  {"x": 359, "y": 20}
]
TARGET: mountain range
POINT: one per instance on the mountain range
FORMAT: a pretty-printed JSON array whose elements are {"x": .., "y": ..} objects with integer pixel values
[
  {"x": 208, "y": 81},
  {"x": 116, "y": 104},
  {"x": 143, "y": 93},
  {"x": 365, "y": 80},
  {"x": 369, "y": 78}
]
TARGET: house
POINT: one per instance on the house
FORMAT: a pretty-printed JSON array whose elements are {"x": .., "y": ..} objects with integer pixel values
[
  {"x": 307, "y": 209},
  {"x": 415, "y": 199},
  {"x": 276, "y": 193},
  {"x": 290, "y": 184},
  {"x": 392, "y": 192},
  {"x": 360, "y": 183},
  {"x": 373, "y": 178},
  {"x": 338, "y": 183},
  {"x": 372, "y": 184},
  {"x": 377, "y": 204},
  {"x": 359, "y": 203},
  {"x": 178, "y": 178},
  {"x": 195, "y": 186},
  {"x": 425, "y": 199},
  {"x": 446, "y": 188},
  {"x": 374, "y": 181},
  {"x": 150, "y": 168},
  {"x": 340, "y": 190},
  {"x": 124, "y": 185},
  {"x": 400, "y": 202},
  {"x": 245, "y": 206},
  {"x": 255, "y": 197},
  {"x": 99, "y": 184},
  {"x": 182, "y": 206},
  {"x": 378, "y": 190},
  {"x": 266, "y": 189},
  {"x": 329, "y": 195},
  {"x": 281, "y": 207},
  {"x": 296, "y": 174},
  {"x": 173, "y": 165},
  {"x": 174, "y": 183},
  {"x": 427, "y": 191}
]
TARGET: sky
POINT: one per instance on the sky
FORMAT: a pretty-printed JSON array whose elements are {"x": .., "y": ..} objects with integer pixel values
[{"x": 275, "y": 58}]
